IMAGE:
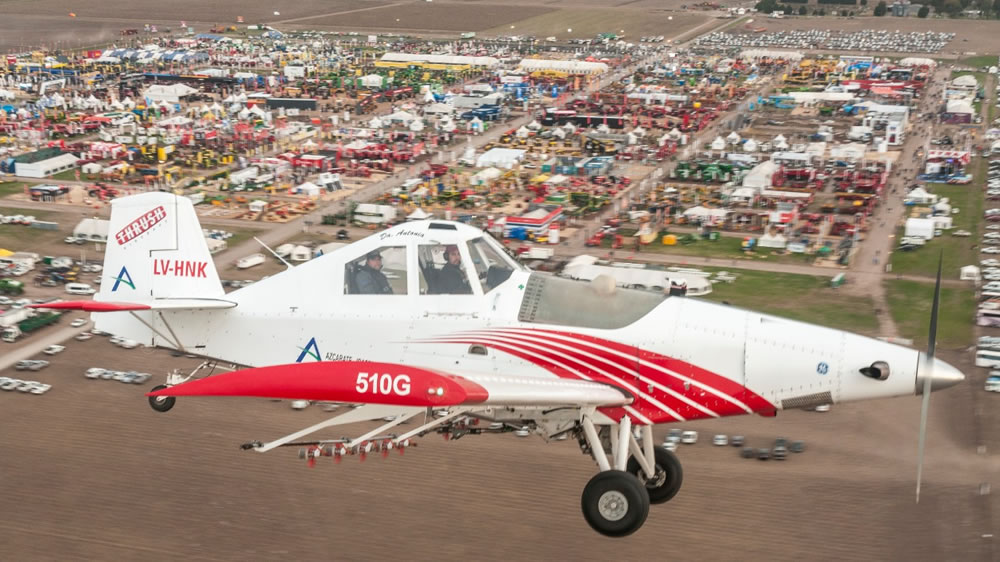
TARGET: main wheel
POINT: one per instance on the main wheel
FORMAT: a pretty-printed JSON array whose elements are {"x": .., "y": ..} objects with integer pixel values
[
  {"x": 666, "y": 481},
  {"x": 615, "y": 503},
  {"x": 161, "y": 403}
]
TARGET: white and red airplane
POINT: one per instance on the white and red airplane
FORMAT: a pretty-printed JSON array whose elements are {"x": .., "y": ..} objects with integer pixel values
[{"x": 433, "y": 322}]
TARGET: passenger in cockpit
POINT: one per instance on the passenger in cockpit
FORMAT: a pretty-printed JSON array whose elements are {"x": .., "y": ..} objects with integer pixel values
[{"x": 451, "y": 279}]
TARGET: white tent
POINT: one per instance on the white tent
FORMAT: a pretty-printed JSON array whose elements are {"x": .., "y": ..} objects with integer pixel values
[
  {"x": 750, "y": 146},
  {"x": 439, "y": 109},
  {"x": 960, "y": 106},
  {"x": 401, "y": 117},
  {"x": 760, "y": 176},
  {"x": 483, "y": 176},
  {"x": 776, "y": 240},
  {"x": 718, "y": 144},
  {"x": 733, "y": 138},
  {"x": 919, "y": 196},
  {"x": 308, "y": 189},
  {"x": 965, "y": 81},
  {"x": 416, "y": 125},
  {"x": 160, "y": 93},
  {"x": 523, "y": 132},
  {"x": 500, "y": 158},
  {"x": 371, "y": 81},
  {"x": 418, "y": 214},
  {"x": 91, "y": 168},
  {"x": 705, "y": 214}
]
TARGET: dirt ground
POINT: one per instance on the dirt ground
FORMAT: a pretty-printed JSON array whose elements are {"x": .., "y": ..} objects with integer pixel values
[
  {"x": 94, "y": 473},
  {"x": 432, "y": 17},
  {"x": 46, "y": 23},
  {"x": 587, "y": 22}
]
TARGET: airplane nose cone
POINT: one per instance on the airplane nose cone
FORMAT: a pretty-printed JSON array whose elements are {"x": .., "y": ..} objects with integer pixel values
[{"x": 942, "y": 375}]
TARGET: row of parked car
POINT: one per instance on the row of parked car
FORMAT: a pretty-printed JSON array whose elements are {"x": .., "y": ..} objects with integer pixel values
[
  {"x": 778, "y": 451},
  {"x": 127, "y": 377},
  {"x": 31, "y": 365},
  {"x": 32, "y": 387}
]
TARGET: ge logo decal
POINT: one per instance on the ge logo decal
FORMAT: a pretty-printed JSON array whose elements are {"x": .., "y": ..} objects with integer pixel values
[{"x": 822, "y": 368}]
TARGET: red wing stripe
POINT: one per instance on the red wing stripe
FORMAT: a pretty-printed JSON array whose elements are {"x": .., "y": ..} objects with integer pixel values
[
  {"x": 92, "y": 306},
  {"x": 622, "y": 369},
  {"x": 592, "y": 373},
  {"x": 721, "y": 386},
  {"x": 555, "y": 367}
]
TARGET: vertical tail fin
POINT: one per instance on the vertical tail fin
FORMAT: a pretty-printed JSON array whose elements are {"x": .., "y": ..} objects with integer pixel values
[{"x": 156, "y": 250}]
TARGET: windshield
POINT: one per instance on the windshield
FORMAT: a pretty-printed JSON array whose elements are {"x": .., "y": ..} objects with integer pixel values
[
  {"x": 584, "y": 304},
  {"x": 491, "y": 263}
]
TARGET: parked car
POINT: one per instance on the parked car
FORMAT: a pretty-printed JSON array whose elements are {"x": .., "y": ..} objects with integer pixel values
[
  {"x": 53, "y": 349},
  {"x": 94, "y": 372},
  {"x": 78, "y": 322},
  {"x": 10, "y": 384},
  {"x": 748, "y": 452},
  {"x": 689, "y": 437},
  {"x": 992, "y": 383},
  {"x": 720, "y": 440},
  {"x": 737, "y": 441},
  {"x": 83, "y": 336},
  {"x": 763, "y": 454}
]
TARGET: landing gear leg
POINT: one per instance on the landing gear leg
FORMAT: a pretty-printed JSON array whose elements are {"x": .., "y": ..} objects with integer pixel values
[
  {"x": 161, "y": 403},
  {"x": 615, "y": 503}
]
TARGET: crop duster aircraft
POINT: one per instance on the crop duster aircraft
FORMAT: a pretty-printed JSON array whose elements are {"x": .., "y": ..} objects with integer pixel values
[{"x": 433, "y": 322}]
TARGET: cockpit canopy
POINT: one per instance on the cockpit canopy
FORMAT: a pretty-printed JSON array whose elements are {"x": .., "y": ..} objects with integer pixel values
[{"x": 427, "y": 258}]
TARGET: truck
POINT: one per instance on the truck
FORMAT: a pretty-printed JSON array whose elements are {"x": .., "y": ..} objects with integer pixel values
[
  {"x": 15, "y": 316},
  {"x": 10, "y": 287},
  {"x": 484, "y": 113},
  {"x": 535, "y": 253},
  {"x": 27, "y": 325},
  {"x": 250, "y": 261}
]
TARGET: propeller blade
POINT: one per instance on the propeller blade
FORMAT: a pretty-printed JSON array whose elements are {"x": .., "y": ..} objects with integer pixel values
[{"x": 929, "y": 369}]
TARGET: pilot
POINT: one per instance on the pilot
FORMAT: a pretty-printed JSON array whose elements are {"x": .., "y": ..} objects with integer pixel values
[
  {"x": 451, "y": 280},
  {"x": 369, "y": 278}
]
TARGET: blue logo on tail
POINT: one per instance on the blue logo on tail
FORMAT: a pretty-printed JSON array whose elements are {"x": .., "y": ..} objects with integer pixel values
[
  {"x": 311, "y": 350},
  {"x": 123, "y": 277}
]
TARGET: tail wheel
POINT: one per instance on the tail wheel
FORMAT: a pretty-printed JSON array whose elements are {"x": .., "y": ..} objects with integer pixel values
[
  {"x": 615, "y": 503},
  {"x": 666, "y": 480},
  {"x": 161, "y": 403}
]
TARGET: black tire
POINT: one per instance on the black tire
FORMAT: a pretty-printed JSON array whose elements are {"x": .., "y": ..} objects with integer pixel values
[
  {"x": 669, "y": 476},
  {"x": 161, "y": 403},
  {"x": 615, "y": 503}
]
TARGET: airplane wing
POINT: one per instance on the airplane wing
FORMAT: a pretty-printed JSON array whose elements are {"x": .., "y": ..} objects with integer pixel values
[
  {"x": 155, "y": 304},
  {"x": 398, "y": 385}
]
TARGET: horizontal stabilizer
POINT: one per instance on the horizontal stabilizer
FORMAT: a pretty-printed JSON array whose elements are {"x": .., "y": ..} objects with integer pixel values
[
  {"x": 157, "y": 304},
  {"x": 402, "y": 385}
]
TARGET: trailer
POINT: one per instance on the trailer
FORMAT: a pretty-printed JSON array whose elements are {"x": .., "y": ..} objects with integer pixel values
[{"x": 250, "y": 261}]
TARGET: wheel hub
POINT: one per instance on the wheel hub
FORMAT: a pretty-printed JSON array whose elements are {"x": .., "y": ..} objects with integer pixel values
[
  {"x": 612, "y": 505},
  {"x": 658, "y": 479}
]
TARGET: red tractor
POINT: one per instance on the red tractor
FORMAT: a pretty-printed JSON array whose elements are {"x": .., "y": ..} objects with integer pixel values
[{"x": 102, "y": 191}]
